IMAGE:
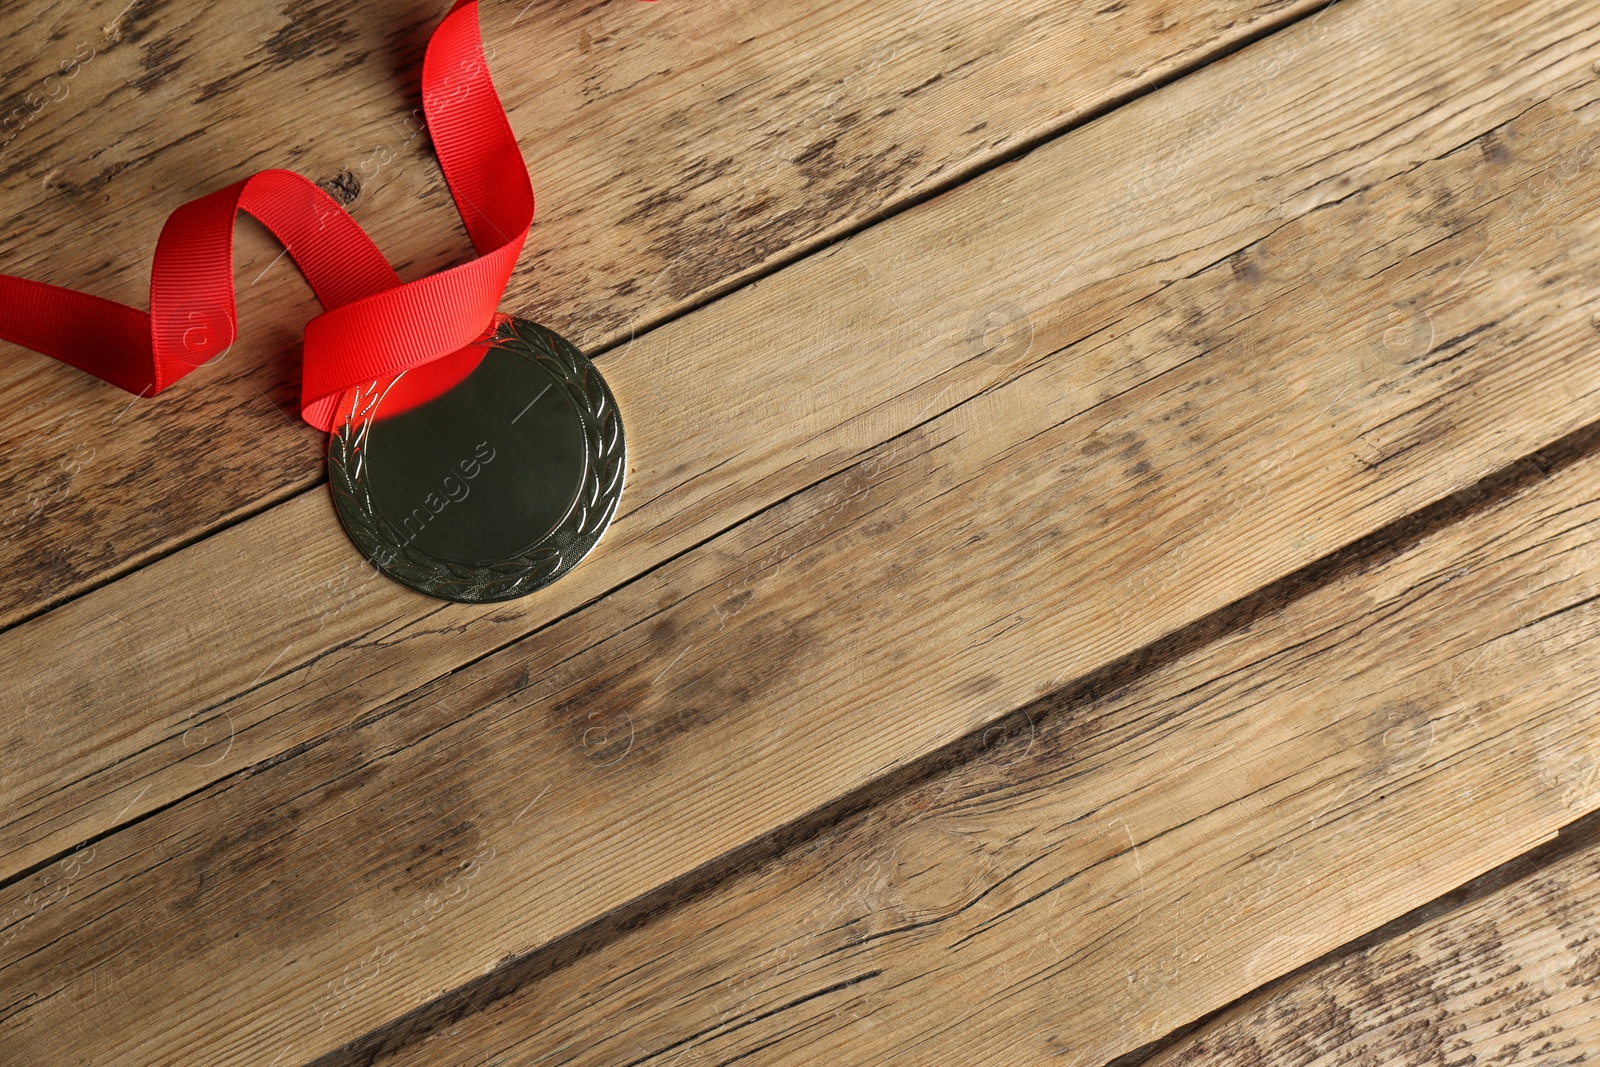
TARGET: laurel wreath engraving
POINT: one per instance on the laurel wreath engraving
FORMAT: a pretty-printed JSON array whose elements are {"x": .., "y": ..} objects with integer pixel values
[{"x": 388, "y": 546}]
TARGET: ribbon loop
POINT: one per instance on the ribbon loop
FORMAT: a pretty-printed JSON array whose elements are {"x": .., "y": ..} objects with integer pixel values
[{"x": 374, "y": 326}]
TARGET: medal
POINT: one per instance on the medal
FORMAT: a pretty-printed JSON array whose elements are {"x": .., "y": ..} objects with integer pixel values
[
  {"x": 472, "y": 456},
  {"x": 492, "y": 489}
]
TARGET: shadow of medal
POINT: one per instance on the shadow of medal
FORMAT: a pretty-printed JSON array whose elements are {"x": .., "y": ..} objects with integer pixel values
[{"x": 495, "y": 487}]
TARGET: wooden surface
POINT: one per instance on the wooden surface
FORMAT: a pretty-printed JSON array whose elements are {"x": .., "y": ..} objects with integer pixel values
[
  {"x": 1110, "y": 867},
  {"x": 1112, "y": 520},
  {"x": 1501, "y": 971}
]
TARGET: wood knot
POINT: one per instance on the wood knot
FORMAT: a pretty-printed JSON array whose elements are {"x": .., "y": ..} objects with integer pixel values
[{"x": 343, "y": 187}]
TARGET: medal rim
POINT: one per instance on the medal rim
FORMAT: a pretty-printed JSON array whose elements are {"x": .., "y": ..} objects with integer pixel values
[{"x": 551, "y": 555}]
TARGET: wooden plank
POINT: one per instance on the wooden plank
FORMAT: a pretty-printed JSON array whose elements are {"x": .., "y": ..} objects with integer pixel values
[
  {"x": 1496, "y": 973},
  {"x": 283, "y": 637},
  {"x": 677, "y": 151},
  {"x": 739, "y": 686}
]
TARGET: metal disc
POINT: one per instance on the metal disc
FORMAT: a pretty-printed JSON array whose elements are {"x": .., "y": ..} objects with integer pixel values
[{"x": 492, "y": 489}]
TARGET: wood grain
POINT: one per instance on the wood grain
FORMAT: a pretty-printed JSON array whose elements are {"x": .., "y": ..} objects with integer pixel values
[
  {"x": 1118, "y": 864},
  {"x": 871, "y": 619},
  {"x": 269, "y": 635},
  {"x": 676, "y": 150},
  {"x": 1503, "y": 977}
]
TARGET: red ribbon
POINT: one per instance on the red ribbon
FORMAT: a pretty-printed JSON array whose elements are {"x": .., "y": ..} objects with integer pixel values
[{"x": 373, "y": 326}]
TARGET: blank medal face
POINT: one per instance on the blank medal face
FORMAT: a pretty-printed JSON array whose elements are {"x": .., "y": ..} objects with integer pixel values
[{"x": 494, "y": 487}]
